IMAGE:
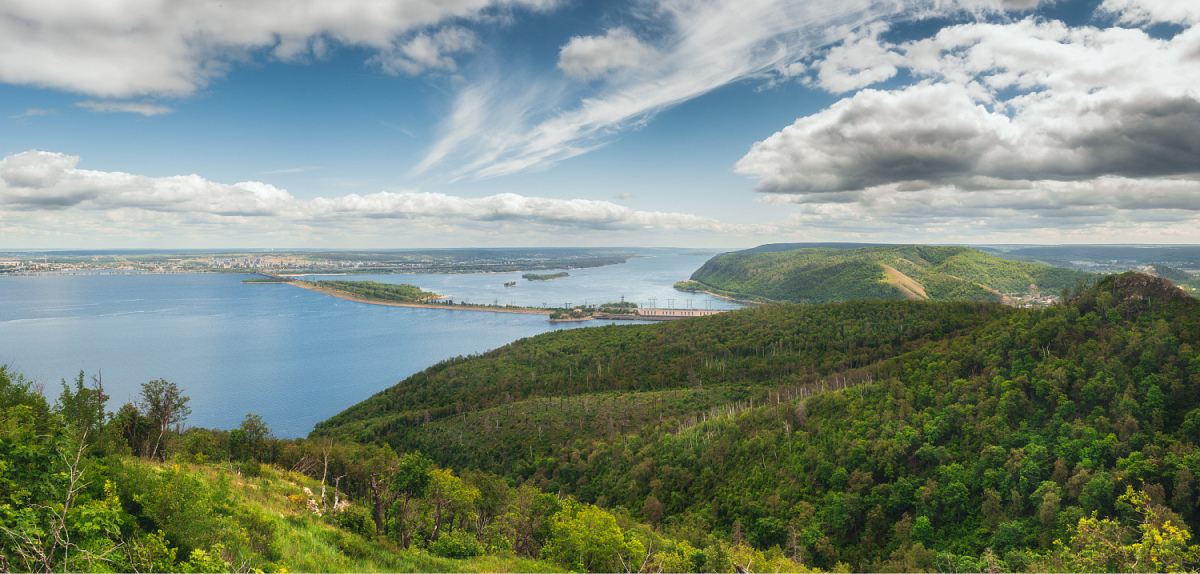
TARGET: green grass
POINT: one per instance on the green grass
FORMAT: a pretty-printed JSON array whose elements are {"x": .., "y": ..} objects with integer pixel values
[{"x": 300, "y": 541}]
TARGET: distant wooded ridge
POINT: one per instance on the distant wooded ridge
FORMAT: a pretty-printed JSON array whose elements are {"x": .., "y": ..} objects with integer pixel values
[{"x": 918, "y": 272}]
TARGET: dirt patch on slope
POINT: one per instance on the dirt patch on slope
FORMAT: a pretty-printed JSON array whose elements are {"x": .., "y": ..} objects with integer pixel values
[{"x": 907, "y": 285}]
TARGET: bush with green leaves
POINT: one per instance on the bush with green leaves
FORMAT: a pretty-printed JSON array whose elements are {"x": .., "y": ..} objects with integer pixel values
[
  {"x": 457, "y": 544},
  {"x": 586, "y": 538}
]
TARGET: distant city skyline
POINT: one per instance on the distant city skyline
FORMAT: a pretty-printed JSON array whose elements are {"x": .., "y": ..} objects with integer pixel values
[{"x": 685, "y": 123}]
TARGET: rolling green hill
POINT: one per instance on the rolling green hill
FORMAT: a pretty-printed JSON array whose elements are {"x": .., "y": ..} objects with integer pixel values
[
  {"x": 916, "y": 272},
  {"x": 886, "y": 435}
]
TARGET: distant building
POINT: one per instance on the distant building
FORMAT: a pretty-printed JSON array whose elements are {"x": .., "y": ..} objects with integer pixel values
[{"x": 677, "y": 313}]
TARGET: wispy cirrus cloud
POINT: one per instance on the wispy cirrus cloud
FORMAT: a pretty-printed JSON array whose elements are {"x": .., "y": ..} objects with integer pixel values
[
  {"x": 501, "y": 127},
  {"x": 696, "y": 47},
  {"x": 33, "y": 113},
  {"x": 288, "y": 170},
  {"x": 144, "y": 108}
]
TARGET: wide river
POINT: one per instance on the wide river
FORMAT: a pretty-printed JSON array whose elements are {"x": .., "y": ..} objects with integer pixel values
[{"x": 293, "y": 356}]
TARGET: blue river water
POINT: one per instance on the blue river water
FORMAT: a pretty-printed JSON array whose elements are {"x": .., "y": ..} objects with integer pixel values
[{"x": 292, "y": 356}]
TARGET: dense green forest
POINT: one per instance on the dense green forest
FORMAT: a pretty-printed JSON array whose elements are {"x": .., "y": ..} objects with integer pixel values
[
  {"x": 917, "y": 272},
  {"x": 865, "y": 436},
  {"x": 884, "y": 435}
]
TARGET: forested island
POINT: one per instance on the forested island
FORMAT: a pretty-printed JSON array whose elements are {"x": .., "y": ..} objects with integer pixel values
[
  {"x": 545, "y": 276},
  {"x": 862, "y": 436},
  {"x": 914, "y": 272}
]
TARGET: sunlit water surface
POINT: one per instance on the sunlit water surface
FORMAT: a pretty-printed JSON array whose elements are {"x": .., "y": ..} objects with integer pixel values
[{"x": 293, "y": 356}]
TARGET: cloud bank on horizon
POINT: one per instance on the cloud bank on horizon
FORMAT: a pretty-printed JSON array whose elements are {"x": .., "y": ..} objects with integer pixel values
[
  {"x": 50, "y": 186},
  {"x": 1007, "y": 122}
]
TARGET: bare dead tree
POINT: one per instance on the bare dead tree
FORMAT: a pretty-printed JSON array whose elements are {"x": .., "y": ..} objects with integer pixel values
[{"x": 326, "y": 448}]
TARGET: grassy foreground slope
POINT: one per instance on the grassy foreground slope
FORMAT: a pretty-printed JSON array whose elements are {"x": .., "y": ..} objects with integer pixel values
[
  {"x": 936, "y": 273},
  {"x": 887, "y": 435},
  {"x": 63, "y": 508}
]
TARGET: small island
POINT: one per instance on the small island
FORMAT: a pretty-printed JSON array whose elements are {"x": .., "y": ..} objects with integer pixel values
[
  {"x": 510, "y": 284},
  {"x": 268, "y": 279},
  {"x": 545, "y": 276}
]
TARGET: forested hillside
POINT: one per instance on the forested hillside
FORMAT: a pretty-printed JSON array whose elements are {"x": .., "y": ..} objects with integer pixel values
[
  {"x": 865, "y": 436},
  {"x": 916, "y": 272},
  {"x": 883, "y": 435},
  {"x": 83, "y": 489}
]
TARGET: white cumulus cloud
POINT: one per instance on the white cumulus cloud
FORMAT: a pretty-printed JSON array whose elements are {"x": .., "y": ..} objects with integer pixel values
[
  {"x": 125, "y": 48},
  {"x": 38, "y": 181},
  {"x": 427, "y": 52},
  {"x": 1153, "y": 11},
  {"x": 589, "y": 57},
  {"x": 861, "y": 60},
  {"x": 1022, "y": 101}
]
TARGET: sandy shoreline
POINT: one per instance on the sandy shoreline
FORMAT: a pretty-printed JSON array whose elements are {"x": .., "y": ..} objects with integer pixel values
[{"x": 339, "y": 295}]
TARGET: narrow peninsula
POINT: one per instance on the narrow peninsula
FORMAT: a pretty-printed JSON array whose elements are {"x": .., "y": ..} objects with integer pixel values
[
  {"x": 398, "y": 297},
  {"x": 404, "y": 295}
]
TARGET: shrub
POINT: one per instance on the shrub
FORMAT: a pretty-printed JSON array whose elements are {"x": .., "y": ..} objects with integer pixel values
[
  {"x": 251, "y": 468},
  {"x": 356, "y": 519},
  {"x": 457, "y": 544}
]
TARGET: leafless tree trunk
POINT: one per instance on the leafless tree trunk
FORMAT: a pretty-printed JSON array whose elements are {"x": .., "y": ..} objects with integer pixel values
[{"x": 325, "y": 449}]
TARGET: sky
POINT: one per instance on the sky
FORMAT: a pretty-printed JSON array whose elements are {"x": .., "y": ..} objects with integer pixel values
[{"x": 216, "y": 124}]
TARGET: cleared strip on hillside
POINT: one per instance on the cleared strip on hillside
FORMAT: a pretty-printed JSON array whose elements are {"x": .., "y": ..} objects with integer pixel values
[{"x": 910, "y": 288}]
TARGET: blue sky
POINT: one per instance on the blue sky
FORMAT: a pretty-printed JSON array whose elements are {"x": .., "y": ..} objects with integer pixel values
[{"x": 713, "y": 123}]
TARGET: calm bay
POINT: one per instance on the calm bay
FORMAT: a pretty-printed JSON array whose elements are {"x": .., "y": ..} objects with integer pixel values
[{"x": 293, "y": 356}]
